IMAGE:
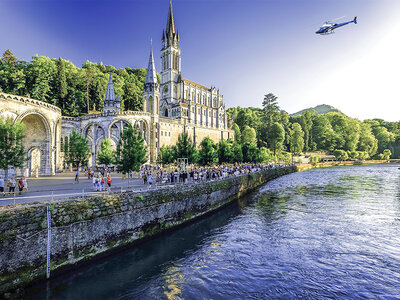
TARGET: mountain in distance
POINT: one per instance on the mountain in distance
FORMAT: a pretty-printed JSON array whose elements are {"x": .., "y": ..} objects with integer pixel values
[{"x": 320, "y": 109}]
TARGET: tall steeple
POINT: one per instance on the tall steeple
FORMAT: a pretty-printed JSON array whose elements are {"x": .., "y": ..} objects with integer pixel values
[
  {"x": 110, "y": 102},
  {"x": 170, "y": 21},
  {"x": 171, "y": 35},
  {"x": 151, "y": 76}
]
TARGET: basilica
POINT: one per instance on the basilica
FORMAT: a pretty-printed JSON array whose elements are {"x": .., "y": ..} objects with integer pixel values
[{"x": 170, "y": 107}]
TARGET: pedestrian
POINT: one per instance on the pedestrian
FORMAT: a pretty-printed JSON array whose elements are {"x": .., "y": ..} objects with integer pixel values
[
  {"x": 25, "y": 182},
  {"x": 77, "y": 176},
  {"x": 11, "y": 185},
  {"x": 94, "y": 183},
  {"x": 2, "y": 185},
  {"x": 150, "y": 179},
  {"x": 88, "y": 173},
  {"x": 102, "y": 182},
  {"x": 109, "y": 180},
  {"x": 20, "y": 185}
]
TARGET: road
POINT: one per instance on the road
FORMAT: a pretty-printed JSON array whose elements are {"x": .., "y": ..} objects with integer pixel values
[{"x": 62, "y": 186}]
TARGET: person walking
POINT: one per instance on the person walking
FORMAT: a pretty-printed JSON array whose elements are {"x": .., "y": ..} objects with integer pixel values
[
  {"x": 11, "y": 185},
  {"x": 2, "y": 185},
  {"x": 102, "y": 183},
  {"x": 77, "y": 176},
  {"x": 150, "y": 179},
  {"x": 20, "y": 186},
  {"x": 94, "y": 183},
  {"x": 25, "y": 182},
  {"x": 109, "y": 180}
]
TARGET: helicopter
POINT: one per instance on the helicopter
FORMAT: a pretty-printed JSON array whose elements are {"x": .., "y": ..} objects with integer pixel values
[{"x": 329, "y": 27}]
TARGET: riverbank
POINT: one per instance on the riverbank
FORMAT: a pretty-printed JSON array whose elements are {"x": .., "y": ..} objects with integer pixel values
[
  {"x": 305, "y": 167},
  {"x": 86, "y": 228}
]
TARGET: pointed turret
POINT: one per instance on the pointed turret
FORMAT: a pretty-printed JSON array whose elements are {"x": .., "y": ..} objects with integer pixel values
[
  {"x": 110, "y": 102},
  {"x": 151, "y": 88},
  {"x": 151, "y": 76},
  {"x": 110, "y": 94}
]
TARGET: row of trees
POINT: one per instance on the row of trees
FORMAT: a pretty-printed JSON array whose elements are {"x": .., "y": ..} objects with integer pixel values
[
  {"x": 130, "y": 154},
  {"x": 209, "y": 152},
  {"x": 74, "y": 90},
  {"x": 275, "y": 129}
]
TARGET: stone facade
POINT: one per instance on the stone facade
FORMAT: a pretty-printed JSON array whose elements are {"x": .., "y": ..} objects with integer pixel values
[
  {"x": 42, "y": 135},
  {"x": 85, "y": 228}
]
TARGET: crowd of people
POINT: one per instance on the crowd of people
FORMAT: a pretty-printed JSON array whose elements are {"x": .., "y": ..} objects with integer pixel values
[
  {"x": 157, "y": 175},
  {"x": 21, "y": 183},
  {"x": 101, "y": 181},
  {"x": 151, "y": 175}
]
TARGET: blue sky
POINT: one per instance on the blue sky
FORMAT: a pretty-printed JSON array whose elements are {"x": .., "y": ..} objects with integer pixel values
[{"x": 247, "y": 48}]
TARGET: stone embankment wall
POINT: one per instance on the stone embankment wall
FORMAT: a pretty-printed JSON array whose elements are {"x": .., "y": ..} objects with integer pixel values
[{"x": 84, "y": 228}]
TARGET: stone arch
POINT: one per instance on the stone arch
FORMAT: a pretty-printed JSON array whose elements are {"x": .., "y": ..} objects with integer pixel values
[{"x": 38, "y": 134}]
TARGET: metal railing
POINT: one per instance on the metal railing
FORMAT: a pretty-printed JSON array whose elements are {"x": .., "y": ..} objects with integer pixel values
[{"x": 17, "y": 198}]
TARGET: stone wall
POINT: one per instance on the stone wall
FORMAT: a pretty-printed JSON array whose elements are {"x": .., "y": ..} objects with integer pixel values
[{"x": 84, "y": 228}]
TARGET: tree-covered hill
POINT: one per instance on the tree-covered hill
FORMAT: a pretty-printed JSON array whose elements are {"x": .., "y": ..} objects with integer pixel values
[
  {"x": 319, "y": 110},
  {"x": 75, "y": 90},
  {"x": 311, "y": 131}
]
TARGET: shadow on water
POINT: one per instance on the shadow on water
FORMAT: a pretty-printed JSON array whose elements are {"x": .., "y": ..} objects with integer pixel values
[{"x": 133, "y": 264}]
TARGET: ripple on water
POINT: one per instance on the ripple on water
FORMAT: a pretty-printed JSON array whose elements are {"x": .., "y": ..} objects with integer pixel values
[{"x": 323, "y": 233}]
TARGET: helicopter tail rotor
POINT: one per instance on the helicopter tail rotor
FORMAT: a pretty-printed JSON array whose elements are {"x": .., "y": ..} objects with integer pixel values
[{"x": 355, "y": 20}]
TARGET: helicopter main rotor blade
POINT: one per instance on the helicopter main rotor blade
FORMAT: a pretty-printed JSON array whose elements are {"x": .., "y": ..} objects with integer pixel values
[{"x": 338, "y": 18}]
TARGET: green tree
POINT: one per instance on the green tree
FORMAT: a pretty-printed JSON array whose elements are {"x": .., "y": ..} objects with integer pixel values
[
  {"x": 271, "y": 109},
  {"x": 225, "y": 152},
  {"x": 9, "y": 58},
  {"x": 250, "y": 152},
  {"x": 296, "y": 139},
  {"x": 314, "y": 159},
  {"x": 12, "y": 151},
  {"x": 385, "y": 138},
  {"x": 166, "y": 155},
  {"x": 238, "y": 135},
  {"x": 306, "y": 122},
  {"x": 61, "y": 84},
  {"x": 340, "y": 154},
  {"x": 368, "y": 142},
  {"x": 40, "y": 78},
  {"x": 186, "y": 149},
  {"x": 247, "y": 117},
  {"x": 385, "y": 154},
  {"x": 89, "y": 76},
  {"x": 131, "y": 151},
  {"x": 208, "y": 154},
  {"x": 322, "y": 134},
  {"x": 263, "y": 155},
  {"x": 237, "y": 153},
  {"x": 249, "y": 135},
  {"x": 276, "y": 137},
  {"x": 106, "y": 156},
  {"x": 76, "y": 151}
]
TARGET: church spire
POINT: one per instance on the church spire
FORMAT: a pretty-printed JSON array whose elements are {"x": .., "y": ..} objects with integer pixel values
[
  {"x": 170, "y": 21},
  {"x": 110, "y": 94},
  {"x": 111, "y": 104},
  {"x": 151, "y": 76}
]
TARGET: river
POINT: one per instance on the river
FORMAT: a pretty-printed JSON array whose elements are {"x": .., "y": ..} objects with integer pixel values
[{"x": 323, "y": 233}]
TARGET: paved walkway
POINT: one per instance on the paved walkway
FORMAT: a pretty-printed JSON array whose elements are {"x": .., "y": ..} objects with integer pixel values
[{"x": 62, "y": 185}]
